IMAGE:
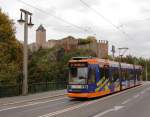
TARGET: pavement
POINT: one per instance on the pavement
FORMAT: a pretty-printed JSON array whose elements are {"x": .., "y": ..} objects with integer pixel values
[{"x": 134, "y": 102}]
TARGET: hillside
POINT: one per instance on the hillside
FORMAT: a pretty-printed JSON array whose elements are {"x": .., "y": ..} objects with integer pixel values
[{"x": 50, "y": 65}]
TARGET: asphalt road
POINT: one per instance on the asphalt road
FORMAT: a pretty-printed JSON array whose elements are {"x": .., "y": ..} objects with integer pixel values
[{"x": 133, "y": 102}]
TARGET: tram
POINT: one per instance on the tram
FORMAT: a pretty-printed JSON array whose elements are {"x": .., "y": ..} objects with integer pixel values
[{"x": 93, "y": 77}]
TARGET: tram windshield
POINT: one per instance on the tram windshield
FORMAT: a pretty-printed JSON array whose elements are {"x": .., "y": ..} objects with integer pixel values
[{"x": 78, "y": 75}]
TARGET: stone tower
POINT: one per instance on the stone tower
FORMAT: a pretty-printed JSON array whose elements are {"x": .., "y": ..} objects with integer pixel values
[
  {"x": 103, "y": 49},
  {"x": 40, "y": 36}
]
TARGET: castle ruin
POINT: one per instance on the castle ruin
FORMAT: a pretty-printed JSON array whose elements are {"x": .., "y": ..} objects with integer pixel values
[{"x": 69, "y": 43}]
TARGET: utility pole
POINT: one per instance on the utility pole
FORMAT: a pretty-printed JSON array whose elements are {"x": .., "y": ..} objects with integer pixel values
[
  {"x": 25, "y": 49},
  {"x": 113, "y": 52},
  {"x": 146, "y": 72},
  {"x": 120, "y": 60}
]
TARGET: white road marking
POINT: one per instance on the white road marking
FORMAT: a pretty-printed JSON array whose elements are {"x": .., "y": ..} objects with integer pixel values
[
  {"x": 136, "y": 96},
  {"x": 115, "y": 108},
  {"x": 103, "y": 113},
  {"x": 126, "y": 101},
  {"x": 37, "y": 108},
  {"x": 142, "y": 92},
  {"x": 17, "y": 102},
  {"x": 31, "y": 104},
  {"x": 83, "y": 104}
]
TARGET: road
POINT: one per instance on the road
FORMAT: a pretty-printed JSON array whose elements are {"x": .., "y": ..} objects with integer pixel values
[{"x": 133, "y": 102}]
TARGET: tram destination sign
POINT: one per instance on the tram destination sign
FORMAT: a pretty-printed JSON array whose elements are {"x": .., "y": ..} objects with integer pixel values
[{"x": 75, "y": 64}]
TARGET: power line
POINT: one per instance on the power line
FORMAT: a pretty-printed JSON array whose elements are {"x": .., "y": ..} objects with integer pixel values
[
  {"x": 99, "y": 14},
  {"x": 136, "y": 21},
  {"x": 59, "y": 18}
]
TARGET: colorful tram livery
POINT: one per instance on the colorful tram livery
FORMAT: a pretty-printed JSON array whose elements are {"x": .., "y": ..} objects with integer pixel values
[{"x": 92, "y": 77}]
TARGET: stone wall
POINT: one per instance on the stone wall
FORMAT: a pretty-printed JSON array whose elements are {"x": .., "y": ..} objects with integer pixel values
[{"x": 69, "y": 43}]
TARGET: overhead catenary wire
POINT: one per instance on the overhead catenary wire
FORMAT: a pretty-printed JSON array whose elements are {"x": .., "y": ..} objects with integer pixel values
[
  {"x": 107, "y": 20},
  {"x": 59, "y": 18}
]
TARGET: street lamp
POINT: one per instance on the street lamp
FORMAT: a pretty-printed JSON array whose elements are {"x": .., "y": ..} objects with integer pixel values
[
  {"x": 25, "y": 47},
  {"x": 123, "y": 52},
  {"x": 30, "y": 24},
  {"x": 21, "y": 21},
  {"x": 123, "y": 49}
]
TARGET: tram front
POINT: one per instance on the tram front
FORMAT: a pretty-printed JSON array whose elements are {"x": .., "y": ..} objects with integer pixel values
[{"x": 78, "y": 77}]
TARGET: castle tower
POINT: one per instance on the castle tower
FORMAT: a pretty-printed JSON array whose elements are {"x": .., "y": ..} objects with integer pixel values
[
  {"x": 103, "y": 49},
  {"x": 40, "y": 36}
]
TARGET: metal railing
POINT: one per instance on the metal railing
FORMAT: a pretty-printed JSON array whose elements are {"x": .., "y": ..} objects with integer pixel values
[
  {"x": 15, "y": 90},
  {"x": 46, "y": 86}
]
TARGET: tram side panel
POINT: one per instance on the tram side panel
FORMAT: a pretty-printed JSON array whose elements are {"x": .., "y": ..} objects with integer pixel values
[{"x": 102, "y": 83}]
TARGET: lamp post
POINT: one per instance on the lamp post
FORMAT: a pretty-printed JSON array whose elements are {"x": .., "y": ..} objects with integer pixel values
[
  {"x": 25, "y": 47},
  {"x": 120, "y": 60}
]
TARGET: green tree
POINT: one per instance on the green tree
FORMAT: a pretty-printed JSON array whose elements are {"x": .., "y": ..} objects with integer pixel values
[
  {"x": 10, "y": 52},
  {"x": 51, "y": 65}
]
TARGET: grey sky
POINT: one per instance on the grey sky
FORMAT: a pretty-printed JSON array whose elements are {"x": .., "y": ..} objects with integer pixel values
[{"x": 133, "y": 17}]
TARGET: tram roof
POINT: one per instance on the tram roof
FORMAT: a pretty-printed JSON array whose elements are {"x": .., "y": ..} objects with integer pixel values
[{"x": 102, "y": 62}]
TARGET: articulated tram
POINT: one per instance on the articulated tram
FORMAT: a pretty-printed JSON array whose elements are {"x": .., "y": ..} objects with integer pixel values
[{"x": 92, "y": 77}]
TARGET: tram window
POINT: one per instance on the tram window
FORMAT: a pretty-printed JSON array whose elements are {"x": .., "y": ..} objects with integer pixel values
[
  {"x": 115, "y": 74},
  {"x": 73, "y": 72},
  {"x": 111, "y": 76},
  {"x": 139, "y": 75},
  {"x": 131, "y": 74},
  {"x": 106, "y": 72},
  {"x": 101, "y": 72},
  {"x": 126, "y": 74},
  {"x": 123, "y": 74},
  {"x": 135, "y": 74},
  {"x": 92, "y": 75}
]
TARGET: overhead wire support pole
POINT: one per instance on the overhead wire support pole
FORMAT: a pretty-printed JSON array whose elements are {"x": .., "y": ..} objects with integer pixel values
[
  {"x": 25, "y": 62},
  {"x": 25, "y": 48},
  {"x": 146, "y": 72},
  {"x": 120, "y": 60}
]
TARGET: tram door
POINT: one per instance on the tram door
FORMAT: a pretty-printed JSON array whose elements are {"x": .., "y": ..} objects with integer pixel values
[{"x": 93, "y": 75}]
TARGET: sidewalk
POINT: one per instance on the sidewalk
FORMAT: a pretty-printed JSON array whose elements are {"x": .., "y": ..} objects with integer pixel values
[{"x": 31, "y": 97}]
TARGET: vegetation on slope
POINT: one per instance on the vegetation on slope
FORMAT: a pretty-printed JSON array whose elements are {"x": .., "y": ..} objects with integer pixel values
[{"x": 51, "y": 65}]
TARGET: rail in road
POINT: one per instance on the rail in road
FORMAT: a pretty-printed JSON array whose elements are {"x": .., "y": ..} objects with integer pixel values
[{"x": 121, "y": 104}]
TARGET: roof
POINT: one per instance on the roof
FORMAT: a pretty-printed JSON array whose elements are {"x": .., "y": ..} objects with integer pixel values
[
  {"x": 41, "y": 28},
  {"x": 103, "y": 62}
]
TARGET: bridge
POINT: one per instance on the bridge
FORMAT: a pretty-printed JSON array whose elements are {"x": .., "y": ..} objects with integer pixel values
[{"x": 133, "y": 102}]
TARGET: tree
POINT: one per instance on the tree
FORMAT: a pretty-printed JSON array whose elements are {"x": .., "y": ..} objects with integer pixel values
[{"x": 10, "y": 52}]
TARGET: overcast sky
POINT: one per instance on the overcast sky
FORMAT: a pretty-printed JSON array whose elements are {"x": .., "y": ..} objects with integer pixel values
[{"x": 130, "y": 16}]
